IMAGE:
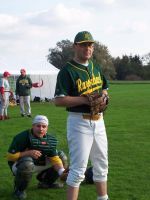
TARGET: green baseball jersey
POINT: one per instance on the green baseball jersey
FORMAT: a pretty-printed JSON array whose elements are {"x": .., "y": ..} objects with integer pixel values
[
  {"x": 23, "y": 86},
  {"x": 75, "y": 80},
  {"x": 26, "y": 140}
]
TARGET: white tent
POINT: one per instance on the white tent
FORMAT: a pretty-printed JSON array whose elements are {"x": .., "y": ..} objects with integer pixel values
[
  {"x": 48, "y": 88},
  {"x": 42, "y": 71}
]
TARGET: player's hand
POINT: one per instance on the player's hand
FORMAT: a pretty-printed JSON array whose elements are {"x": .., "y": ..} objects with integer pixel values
[{"x": 34, "y": 154}]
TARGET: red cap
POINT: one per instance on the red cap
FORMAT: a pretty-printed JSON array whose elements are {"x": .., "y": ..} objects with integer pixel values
[
  {"x": 6, "y": 74},
  {"x": 23, "y": 70}
]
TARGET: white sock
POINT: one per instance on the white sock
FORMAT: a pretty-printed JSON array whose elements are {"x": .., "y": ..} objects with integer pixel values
[{"x": 103, "y": 197}]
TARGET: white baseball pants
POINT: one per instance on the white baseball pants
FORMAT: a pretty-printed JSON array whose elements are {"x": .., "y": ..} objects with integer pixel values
[
  {"x": 86, "y": 140},
  {"x": 4, "y": 104},
  {"x": 25, "y": 102}
]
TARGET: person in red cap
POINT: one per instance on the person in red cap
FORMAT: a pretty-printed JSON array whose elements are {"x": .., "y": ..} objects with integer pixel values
[
  {"x": 4, "y": 95},
  {"x": 23, "y": 86}
]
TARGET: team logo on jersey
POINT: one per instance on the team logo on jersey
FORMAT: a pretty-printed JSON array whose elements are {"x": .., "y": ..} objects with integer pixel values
[
  {"x": 23, "y": 81},
  {"x": 90, "y": 85}
]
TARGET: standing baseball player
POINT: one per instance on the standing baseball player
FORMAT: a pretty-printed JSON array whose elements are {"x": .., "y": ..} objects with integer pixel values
[
  {"x": 23, "y": 86},
  {"x": 86, "y": 132},
  {"x": 4, "y": 96}
]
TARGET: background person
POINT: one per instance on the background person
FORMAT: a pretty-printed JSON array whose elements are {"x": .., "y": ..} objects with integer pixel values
[
  {"x": 4, "y": 96},
  {"x": 34, "y": 150},
  {"x": 23, "y": 89},
  {"x": 86, "y": 133}
]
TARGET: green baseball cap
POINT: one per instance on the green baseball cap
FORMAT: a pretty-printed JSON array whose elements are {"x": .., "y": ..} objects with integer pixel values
[{"x": 83, "y": 36}]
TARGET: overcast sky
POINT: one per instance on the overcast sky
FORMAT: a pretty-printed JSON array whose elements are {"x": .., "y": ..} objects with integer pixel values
[{"x": 28, "y": 28}]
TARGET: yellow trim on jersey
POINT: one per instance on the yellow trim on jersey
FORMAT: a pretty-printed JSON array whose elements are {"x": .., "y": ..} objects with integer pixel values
[
  {"x": 79, "y": 69},
  {"x": 91, "y": 84},
  {"x": 92, "y": 69},
  {"x": 55, "y": 160},
  {"x": 13, "y": 156}
]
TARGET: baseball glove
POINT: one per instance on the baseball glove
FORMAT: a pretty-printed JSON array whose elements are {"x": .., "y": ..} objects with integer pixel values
[
  {"x": 98, "y": 103},
  {"x": 48, "y": 176}
]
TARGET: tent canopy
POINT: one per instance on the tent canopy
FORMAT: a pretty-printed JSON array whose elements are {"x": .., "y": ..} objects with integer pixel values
[{"x": 43, "y": 71}]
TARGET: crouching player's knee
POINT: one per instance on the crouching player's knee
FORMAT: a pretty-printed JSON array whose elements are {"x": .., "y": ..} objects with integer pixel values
[
  {"x": 25, "y": 165},
  {"x": 25, "y": 168}
]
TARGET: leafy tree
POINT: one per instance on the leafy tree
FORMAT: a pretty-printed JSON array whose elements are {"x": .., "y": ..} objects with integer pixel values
[
  {"x": 63, "y": 52},
  {"x": 101, "y": 56},
  {"x": 146, "y": 72},
  {"x": 146, "y": 59},
  {"x": 146, "y": 66},
  {"x": 128, "y": 66},
  {"x": 59, "y": 55},
  {"x": 121, "y": 67}
]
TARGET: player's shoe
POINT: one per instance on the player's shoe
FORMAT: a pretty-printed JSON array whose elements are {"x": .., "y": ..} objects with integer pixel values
[
  {"x": 6, "y": 117},
  {"x": 20, "y": 194}
]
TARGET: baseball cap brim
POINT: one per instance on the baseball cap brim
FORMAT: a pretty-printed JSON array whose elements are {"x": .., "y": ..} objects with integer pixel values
[
  {"x": 83, "y": 37},
  {"x": 90, "y": 41}
]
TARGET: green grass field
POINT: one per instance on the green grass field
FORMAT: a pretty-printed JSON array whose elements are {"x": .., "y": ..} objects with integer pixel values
[{"x": 128, "y": 125}]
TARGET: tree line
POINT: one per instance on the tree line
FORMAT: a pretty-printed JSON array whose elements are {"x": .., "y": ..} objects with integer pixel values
[{"x": 119, "y": 68}]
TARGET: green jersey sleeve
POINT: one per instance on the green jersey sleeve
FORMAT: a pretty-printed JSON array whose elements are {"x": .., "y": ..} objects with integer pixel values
[{"x": 64, "y": 83}]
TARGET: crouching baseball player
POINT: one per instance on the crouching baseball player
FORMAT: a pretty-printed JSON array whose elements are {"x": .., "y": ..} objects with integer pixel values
[{"x": 34, "y": 150}]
